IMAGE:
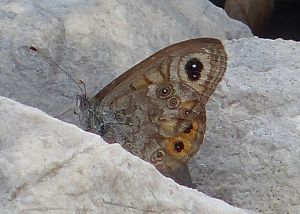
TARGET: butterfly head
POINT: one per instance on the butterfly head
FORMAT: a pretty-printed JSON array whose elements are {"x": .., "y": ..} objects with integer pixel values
[{"x": 83, "y": 110}]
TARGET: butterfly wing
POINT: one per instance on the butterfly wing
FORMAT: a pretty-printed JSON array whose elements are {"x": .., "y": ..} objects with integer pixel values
[{"x": 156, "y": 110}]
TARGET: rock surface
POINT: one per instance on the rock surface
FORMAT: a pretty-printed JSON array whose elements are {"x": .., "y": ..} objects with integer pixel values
[
  {"x": 251, "y": 155},
  {"x": 48, "y": 166}
]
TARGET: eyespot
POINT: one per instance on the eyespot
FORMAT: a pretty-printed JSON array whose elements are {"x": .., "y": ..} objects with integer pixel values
[
  {"x": 187, "y": 112},
  {"x": 178, "y": 146},
  {"x": 157, "y": 156},
  {"x": 173, "y": 102},
  {"x": 193, "y": 69},
  {"x": 165, "y": 91},
  {"x": 188, "y": 128},
  {"x": 160, "y": 154},
  {"x": 191, "y": 109}
]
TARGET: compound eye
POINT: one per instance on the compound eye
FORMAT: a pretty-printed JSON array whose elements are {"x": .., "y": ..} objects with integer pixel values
[
  {"x": 165, "y": 91},
  {"x": 193, "y": 69},
  {"x": 83, "y": 102}
]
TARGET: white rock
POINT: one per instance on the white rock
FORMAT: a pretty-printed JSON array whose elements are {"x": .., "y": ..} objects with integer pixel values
[
  {"x": 47, "y": 166},
  {"x": 251, "y": 155}
]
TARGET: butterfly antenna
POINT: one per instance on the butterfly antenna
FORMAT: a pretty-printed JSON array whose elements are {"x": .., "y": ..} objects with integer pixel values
[
  {"x": 52, "y": 63},
  {"x": 80, "y": 82}
]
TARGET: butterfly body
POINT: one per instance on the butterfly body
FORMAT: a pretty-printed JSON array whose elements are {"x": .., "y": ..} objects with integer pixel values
[{"x": 156, "y": 110}]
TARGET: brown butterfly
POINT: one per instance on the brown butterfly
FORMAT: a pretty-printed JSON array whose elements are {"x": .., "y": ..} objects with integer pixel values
[{"x": 156, "y": 110}]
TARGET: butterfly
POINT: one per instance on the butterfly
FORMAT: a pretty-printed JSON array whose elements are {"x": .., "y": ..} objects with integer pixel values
[{"x": 156, "y": 110}]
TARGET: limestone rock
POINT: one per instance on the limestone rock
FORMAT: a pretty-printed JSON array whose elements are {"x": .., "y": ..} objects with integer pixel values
[
  {"x": 251, "y": 155},
  {"x": 48, "y": 166}
]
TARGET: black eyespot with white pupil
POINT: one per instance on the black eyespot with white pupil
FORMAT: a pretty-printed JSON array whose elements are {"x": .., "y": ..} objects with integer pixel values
[
  {"x": 178, "y": 146},
  {"x": 193, "y": 69},
  {"x": 164, "y": 91}
]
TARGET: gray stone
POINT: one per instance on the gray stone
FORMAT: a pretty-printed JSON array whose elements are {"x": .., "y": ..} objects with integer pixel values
[
  {"x": 251, "y": 155},
  {"x": 48, "y": 166}
]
